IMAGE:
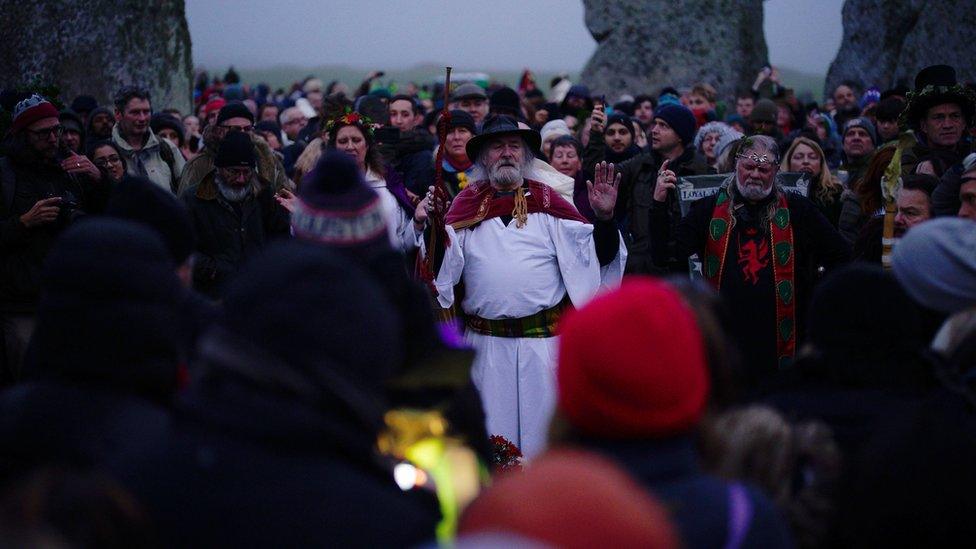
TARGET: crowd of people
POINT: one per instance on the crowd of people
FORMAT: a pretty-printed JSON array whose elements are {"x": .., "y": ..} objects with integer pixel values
[{"x": 489, "y": 315}]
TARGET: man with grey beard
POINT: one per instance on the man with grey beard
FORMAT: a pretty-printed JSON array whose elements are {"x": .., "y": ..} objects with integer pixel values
[
  {"x": 524, "y": 254},
  {"x": 761, "y": 247},
  {"x": 234, "y": 214}
]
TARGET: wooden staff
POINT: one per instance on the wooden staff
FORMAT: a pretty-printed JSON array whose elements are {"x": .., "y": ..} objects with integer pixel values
[{"x": 437, "y": 214}]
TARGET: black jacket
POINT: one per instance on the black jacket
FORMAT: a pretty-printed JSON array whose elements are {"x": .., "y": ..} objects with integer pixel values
[
  {"x": 22, "y": 250},
  {"x": 53, "y": 423},
  {"x": 252, "y": 465},
  {"x": 227, "y": 234},
  {"x": 817, "y": 244},
  {"x": 636, "y": 195}
]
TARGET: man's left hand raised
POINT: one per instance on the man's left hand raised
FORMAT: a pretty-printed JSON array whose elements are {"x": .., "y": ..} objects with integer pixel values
[{"x": 603, "y": 193}]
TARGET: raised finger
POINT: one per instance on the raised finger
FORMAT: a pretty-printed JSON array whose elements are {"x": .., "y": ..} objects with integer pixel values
[
  {"x": 616, "y": 180},
  {"x": 664, "y": 166}
]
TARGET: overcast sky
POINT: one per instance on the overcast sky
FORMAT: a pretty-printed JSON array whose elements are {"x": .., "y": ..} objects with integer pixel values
[{"x": 469, "y": 34}]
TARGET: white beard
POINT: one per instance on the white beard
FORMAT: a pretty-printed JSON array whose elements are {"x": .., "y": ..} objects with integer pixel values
[
  {"x": 505, "y": 176},
  {"x": 233, "y": 194},
  {"x": 752, "y": 193}
]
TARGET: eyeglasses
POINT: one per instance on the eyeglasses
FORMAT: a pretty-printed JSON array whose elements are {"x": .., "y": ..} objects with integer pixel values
[
  {"x": 237, "y": 173},
  {"x": 106, "y": 160},
  {"x": 47, "y": 132},
  {"x": 245, "y": 129}
]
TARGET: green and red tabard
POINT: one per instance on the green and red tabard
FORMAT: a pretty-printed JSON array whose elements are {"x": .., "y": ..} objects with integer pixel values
[{"x": 781, "y": 233}]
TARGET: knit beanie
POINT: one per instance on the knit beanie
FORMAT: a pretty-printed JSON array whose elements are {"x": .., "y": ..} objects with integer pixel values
[
  {"x": 107, "y": 315},
  {"x": 71, "y": 121},
  {"x": 622, "y": 119},
  {"x": 84, "y": 104},
  {"x": 712, "y": 127},
  {"x": 864, "y": 123},
  {"x": 235, "y": 150},
  {"x": 935, "y": 263},
  {"x": 140, "y": 200},
  {"x": 553, "y": 129},
  {"x": 863, "y": 327},
  {"x": 162, "y": 120},
  {"x": 505, "y": 101},
  {"x": 337, "y": 208},
  {"x": 681, "y": 120},
  {"x": 234, "y": 109},
  {"x": 765, "y": 110},
  {"x": 632, "y": 364},
  {"x": 31, "y": 110},
  {"x": 726, "y": 140},
  {"x": 319, "y": 313},
  {"x": 215, "y": 104},
  {"x": 461, "y": 119}
]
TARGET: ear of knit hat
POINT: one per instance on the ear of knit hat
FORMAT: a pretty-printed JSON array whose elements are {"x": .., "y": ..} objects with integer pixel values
[
  {"x": 681, "y": 120},
  {"x": 632, "y": 364},
  {"x": 935, "y": 263}
]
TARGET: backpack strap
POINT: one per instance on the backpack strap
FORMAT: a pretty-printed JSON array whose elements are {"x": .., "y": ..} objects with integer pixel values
[
  {"x": 740, "y": 515},
  {"x": 166, "y": 153}
]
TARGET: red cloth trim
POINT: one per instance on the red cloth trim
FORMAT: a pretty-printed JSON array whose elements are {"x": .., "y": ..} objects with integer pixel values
[{"x": 477, "y": 202}]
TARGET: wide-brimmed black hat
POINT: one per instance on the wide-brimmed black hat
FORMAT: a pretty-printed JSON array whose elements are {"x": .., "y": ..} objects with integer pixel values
[
  {"x": 497, "y": 126},
  {"x": 937, "y": 85}
]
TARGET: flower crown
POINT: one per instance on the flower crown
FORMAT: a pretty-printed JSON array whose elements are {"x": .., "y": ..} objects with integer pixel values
[{"x": 350, "y": 118}]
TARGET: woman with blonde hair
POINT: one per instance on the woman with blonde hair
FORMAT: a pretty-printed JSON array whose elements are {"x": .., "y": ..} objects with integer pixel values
[{"x": 805, "y": 155}]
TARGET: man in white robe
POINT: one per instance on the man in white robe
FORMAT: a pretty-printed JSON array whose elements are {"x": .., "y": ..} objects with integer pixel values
[{"x": 522, "y": 254}]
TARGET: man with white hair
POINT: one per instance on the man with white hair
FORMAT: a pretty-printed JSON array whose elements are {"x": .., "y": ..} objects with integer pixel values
[
  {"x": 524, "y": 254},
  {"x": 761, "y": 247}
]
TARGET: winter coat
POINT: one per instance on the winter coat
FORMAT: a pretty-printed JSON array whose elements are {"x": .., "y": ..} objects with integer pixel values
[
  {"x": 22, "y": 250},
  {"x": 269, "y": 167},
  {"x": 228, "y": 236},
  {"x": 636, "y": 195},
  {"x": 753, "y": 314},
  {"x": 50, "y": 423},
  {"x": 700, "y": 504},
  {"x": 150, "y": 161},
  {"x": 257, "y": 466}
]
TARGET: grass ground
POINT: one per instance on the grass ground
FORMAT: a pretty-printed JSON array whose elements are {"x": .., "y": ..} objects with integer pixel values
[{"x": 283, "y": 75}]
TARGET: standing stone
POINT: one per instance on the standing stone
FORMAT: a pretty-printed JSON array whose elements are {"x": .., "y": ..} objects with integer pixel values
[
  {"x": 95, "y": 46},
  {"x": 886, "y": 42},
  {"x": 644, "y": 45}
]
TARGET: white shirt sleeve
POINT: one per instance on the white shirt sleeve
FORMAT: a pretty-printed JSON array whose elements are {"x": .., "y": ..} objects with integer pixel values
[{"x": 451, "y": 269}]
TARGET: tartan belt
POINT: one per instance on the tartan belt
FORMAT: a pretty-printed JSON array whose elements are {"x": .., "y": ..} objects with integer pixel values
[{"x": 541, "y": 324}]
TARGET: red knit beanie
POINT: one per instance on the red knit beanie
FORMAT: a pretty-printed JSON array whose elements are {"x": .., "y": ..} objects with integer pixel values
[
  {"x": 632, "y": 363},
  {"x": 31, "y": 110}
]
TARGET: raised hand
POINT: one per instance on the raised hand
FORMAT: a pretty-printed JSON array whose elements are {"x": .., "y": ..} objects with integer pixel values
[
  {"x": 666, "y": 180},
  {"x": 286, "y": 199},
  {"x": 598, "y": 119},
  {"x": 603, "y": 193}
]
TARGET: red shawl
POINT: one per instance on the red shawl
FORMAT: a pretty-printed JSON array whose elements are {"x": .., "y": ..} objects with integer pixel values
[{"x": 477, "y": 202}]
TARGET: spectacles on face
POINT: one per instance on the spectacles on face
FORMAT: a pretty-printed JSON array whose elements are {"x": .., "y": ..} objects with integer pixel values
[
  {"x": 44, "y": 133},
  {"x": 104, "y": 161},
  {"x": 237, "y": 173},
  {"x": 231, "y": 129}
]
